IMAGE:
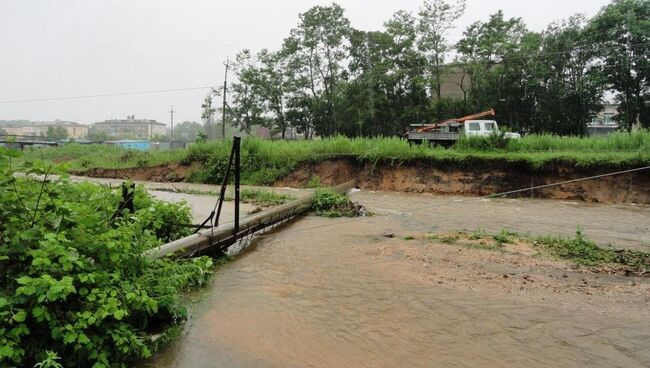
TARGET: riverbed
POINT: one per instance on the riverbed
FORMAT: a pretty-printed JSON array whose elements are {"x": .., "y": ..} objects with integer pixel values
[{"x": 371, "y": 292}]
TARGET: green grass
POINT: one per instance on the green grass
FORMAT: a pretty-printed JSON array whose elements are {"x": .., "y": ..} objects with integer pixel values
[
  {"x": 264, "y": 162},
  {"x": 264, "y": 198},
  {"x": 82, "y": 157},
  {"x": 259, "y": 197},
  {"x": 578, "y": 249}
]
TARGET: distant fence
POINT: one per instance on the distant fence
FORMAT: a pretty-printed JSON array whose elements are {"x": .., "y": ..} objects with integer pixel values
[{"x": 26, "y": 140}]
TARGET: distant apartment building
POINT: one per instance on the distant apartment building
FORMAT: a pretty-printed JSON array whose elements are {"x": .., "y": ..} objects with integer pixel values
[
  {"x": 604, "y": 122},
  {"x": 131, "y": 128},
  {"x": 40, "y": 128}
]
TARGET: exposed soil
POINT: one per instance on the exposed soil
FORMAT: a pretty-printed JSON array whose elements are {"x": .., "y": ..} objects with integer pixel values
[
  {"x": 445, "y": 178},
  {"x": 162, "y": 173},
  {"x": 479, "y": 180}
]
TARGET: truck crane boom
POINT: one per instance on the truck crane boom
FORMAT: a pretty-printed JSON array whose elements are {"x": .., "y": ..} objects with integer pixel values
[{"x": 429, "y": 127}]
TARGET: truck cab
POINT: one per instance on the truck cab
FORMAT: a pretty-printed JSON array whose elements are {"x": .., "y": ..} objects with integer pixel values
[
  {"x": 480, "y": 128},
  {"x": 484, "y": 128}
]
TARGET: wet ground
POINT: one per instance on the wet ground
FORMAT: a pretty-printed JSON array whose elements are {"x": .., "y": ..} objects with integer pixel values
[{"x": 356, "y": 293}]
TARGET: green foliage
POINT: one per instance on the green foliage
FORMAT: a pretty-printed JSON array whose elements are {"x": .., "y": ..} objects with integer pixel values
[
  {"x": 87, "y": 156},
  {"x": 620, "y": 32},
  {"x": 585, "y": 252},
  {"x": 265, "y": 161},
  {"x": 329, "y": 203},
  {"x": 56, "y": 133},
  {"x": 579, "y": 249},
  {"x": 330, "y": 78},
  {"x": 74, "y": 283},
  {"x": 495, "y": 141},
  {"x": 264, "y": 198},
  {"x": 504, "y": 237}
]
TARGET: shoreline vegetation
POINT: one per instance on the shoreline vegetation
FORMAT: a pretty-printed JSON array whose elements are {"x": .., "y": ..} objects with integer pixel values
[
  {"x": 76, "y": 289},
  {"x": 265, "y": 161}
]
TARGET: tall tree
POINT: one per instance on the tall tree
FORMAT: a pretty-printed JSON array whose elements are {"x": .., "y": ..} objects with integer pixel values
[
  {"x": 274, "y": 87},
  {"x": 247, "y": 108},
  {"x": 622, "y": 33},
  {"x": 56, "y": 133},
  {"x": 436, "y": 19},
  {"x": 573, "y": 88},
  {"x": 207, "y": 116},
  {"x": 484, "y": 51},
  {"x": 317, "y": 49}
]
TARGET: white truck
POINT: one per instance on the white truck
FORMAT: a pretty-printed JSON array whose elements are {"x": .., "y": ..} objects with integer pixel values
[{"x": 446, "y": 133}]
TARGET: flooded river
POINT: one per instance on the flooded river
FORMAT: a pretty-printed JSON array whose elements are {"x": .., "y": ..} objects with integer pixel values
[{"x": 355, "y": 293}]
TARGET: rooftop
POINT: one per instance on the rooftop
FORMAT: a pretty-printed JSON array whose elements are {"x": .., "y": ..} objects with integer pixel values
[
  {"x": 40, "y": 123},
  {"x": 131, "y": 120}
]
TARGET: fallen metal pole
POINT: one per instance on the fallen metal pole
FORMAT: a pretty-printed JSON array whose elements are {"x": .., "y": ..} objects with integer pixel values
[{"x": 221, "y": 237}]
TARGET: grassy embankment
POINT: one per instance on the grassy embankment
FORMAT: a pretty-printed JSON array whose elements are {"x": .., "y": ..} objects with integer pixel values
[{"x": 263, "y": 162}]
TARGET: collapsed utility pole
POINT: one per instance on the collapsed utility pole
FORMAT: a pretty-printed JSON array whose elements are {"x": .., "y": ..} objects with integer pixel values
[
  {"x": 171, "y": 129},
  {"x": 225, "y": 91}
]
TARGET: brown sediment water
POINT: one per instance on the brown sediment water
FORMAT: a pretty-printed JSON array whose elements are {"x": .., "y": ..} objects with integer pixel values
[{"x": 356, "y": 293}]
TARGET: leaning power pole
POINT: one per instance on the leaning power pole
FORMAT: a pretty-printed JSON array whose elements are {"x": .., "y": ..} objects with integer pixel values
[
  {"x": 171, "y": 130},
  {"x": 225, "y": 91}
]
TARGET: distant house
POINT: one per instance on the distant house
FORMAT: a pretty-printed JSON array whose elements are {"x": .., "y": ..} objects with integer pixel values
[
  {"x": 604, "y": 122},
  {"x": 40, "y": 128},
  {"x": 131, "y": 128}
]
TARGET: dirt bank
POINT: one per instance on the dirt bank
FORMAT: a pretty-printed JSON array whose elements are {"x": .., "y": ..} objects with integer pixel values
[
  {"x": 479, "y": 180},
  {"x": 446, "y": 178},
  {"x": 162, "y": 173}
]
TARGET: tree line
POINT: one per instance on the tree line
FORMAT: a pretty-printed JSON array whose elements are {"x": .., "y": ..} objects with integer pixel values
[{"x": 329, "y": 78}]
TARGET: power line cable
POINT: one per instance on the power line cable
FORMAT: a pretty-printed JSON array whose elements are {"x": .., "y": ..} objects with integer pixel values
[
  {"x": 539, "y": 55},
  {"x": 106, "y": 95}
]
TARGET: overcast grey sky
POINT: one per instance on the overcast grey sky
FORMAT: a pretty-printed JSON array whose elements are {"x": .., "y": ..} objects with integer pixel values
[{"x": 55, "y": 48}]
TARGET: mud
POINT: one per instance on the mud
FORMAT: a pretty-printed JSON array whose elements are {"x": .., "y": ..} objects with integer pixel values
[
  {"x": 356, "y": 293},
  {"x": 162, "y": 173},
  {"x": 479, "y": 180}
]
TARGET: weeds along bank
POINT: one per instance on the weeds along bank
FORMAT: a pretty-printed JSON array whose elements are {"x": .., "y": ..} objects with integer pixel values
[
  {"x": 75, "y": 290},
  {"x": 503, "y": 164}
]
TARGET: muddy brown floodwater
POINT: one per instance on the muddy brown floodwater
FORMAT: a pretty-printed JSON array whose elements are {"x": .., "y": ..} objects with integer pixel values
[{"x": 356, "y": 293}]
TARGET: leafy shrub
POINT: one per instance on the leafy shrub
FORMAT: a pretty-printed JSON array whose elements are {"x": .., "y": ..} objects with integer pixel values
[
  {"x": 75, "y": 290},
  {"x": 329, "y": 203}
]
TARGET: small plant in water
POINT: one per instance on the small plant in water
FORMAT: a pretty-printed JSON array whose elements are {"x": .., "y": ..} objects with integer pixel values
[{"x": 329, "y": 203}]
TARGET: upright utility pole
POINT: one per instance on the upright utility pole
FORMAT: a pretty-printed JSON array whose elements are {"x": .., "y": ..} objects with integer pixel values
[
  {"x": 171, "y": 130},
  {"x": 236, "y": 144},
  {"x": 225, "y": 91}
]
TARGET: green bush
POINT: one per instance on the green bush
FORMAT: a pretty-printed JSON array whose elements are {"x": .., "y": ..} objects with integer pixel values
[
  {"x": 329, "y": 203},
  {"x": 75, "y": 289}
]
